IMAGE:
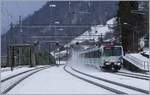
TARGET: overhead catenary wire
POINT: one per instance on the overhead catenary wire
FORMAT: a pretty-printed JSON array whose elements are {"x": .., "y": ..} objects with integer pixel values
[
  {"x": 47, "y": 36},
  {"x": 45, "y": 26}
]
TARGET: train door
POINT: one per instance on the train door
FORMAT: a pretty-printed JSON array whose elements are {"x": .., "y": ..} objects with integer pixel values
[{"x": 101, "y": 57}]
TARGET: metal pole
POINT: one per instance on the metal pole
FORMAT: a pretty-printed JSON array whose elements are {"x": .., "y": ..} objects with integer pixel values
[
  {"x": 7, "y": 64},
  {"x": 67, "y": 54},
  {"x": 133, "y": 42},
  {"x": 59, "y": 57},
  {"x": 20, "y": 23},
  {"x": 49, "y": 48},
  {"x": 30, "y": 56},
  {"x": 69, "y": 13},
  {"x": 20, "y": 55},
  {"x": 20, "y": 49},
  {"x": 144, "y": 64},
  {"x": 49, "y": 52},
  {"x": 12, "y": 57},
  {"x": 101, "y": 38},
  {"x": 55, "y": 56}
]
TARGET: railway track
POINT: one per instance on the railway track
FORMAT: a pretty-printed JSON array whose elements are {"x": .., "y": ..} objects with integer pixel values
[
  {"x": 94, "y": 83},
  {"x": 8, "y": 83},
  {"x": 12, "y": 76},
  {"x": 115, "y": 87}
]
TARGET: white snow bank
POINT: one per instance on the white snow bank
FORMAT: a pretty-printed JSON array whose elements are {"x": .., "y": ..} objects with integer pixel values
[
  {"x": 138, "y": 60},
  {"x": 9, "y": 68},
  {"x": 111, "y": 21}
]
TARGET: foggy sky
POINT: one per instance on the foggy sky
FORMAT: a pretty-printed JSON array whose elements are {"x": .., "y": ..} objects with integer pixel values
[{"x": 11, "y": 10}]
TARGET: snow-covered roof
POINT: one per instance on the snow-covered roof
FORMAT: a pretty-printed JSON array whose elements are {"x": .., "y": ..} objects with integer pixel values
[
  {"x": 94, "y": 33},
  {"x": 111, "y": 21}
]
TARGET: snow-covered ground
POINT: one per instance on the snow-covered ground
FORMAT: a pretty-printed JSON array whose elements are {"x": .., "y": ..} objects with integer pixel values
[
  {"x": 9, "y": 69},
  {"x": 8, "y": 83},
  {"x": 144, "y": 84},
  {"x": 56, "y": 81},
  {"x": 9, "y": 73},
  {"x": 109, "y": 84}
]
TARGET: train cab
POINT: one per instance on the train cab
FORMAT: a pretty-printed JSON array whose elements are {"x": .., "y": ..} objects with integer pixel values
[{"x": 112, "y": 57}]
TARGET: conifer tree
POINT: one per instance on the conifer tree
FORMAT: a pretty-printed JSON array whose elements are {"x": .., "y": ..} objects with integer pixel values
[{"x": 127, "y": 23}]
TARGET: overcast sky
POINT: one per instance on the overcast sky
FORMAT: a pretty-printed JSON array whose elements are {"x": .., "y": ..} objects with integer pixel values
[{"x": 11, "y": 10}]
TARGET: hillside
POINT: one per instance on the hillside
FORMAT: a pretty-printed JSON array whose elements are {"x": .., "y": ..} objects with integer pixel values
[{"x": 77, "y": 13}]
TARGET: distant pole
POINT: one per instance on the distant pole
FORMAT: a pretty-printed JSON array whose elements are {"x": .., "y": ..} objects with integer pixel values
[
  {"x": 20, "y": 29},
  {"x": 21, "y": 40},
  {"x": 68, "y": 48},
  {"x": 133, "y": 42},
  {"x": 10, "y": 36},
  {"x": 49, "y": 51},
  {"x": 101, "y": 38},
  {"x": 49, "y": 48},
  {"x": 55, "y": 56},
  {"x": 51, "y": 6},
  {"x": 120, "y": 30},
  {"x": 30, "y": 56},
  {"x": 69, "y": 13},
  {"x": 59, "y": 56},
  {"x": 67, "y": 55},
  {"x": 9, "y": 42},
  {"x": 12, "y": 58}
]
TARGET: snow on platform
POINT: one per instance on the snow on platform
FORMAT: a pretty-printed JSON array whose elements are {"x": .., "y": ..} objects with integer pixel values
[
  {"x": 55, "y": 80},
  {"x": 138, "y": 60}
]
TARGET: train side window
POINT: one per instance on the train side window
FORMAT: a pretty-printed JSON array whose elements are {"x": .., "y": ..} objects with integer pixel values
[
  {"x": 93, "y": 54},
  {"x": 99, "y": 53}
]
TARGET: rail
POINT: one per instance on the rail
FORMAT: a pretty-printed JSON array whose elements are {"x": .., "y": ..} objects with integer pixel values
[
  {"x": 21, "y": 76},
  {"x": 116, "y": 83},
  {"x": 95, "y": 83}
]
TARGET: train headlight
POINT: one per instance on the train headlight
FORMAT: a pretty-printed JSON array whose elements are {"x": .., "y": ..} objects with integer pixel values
[
  {"x": 116, "y": 63},
  {"x": 107, "y": 63},
  {"x": 119, "y": 63}
]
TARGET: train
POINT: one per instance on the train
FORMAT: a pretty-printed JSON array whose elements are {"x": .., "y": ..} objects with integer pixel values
[{"x": 105, "y": 57}]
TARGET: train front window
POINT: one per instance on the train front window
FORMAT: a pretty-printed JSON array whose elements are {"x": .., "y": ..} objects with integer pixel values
[
  {"x": 107, "y": 52},
  {"x": 112, "y": 51},
  {"x": 117, "y": 51}
]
